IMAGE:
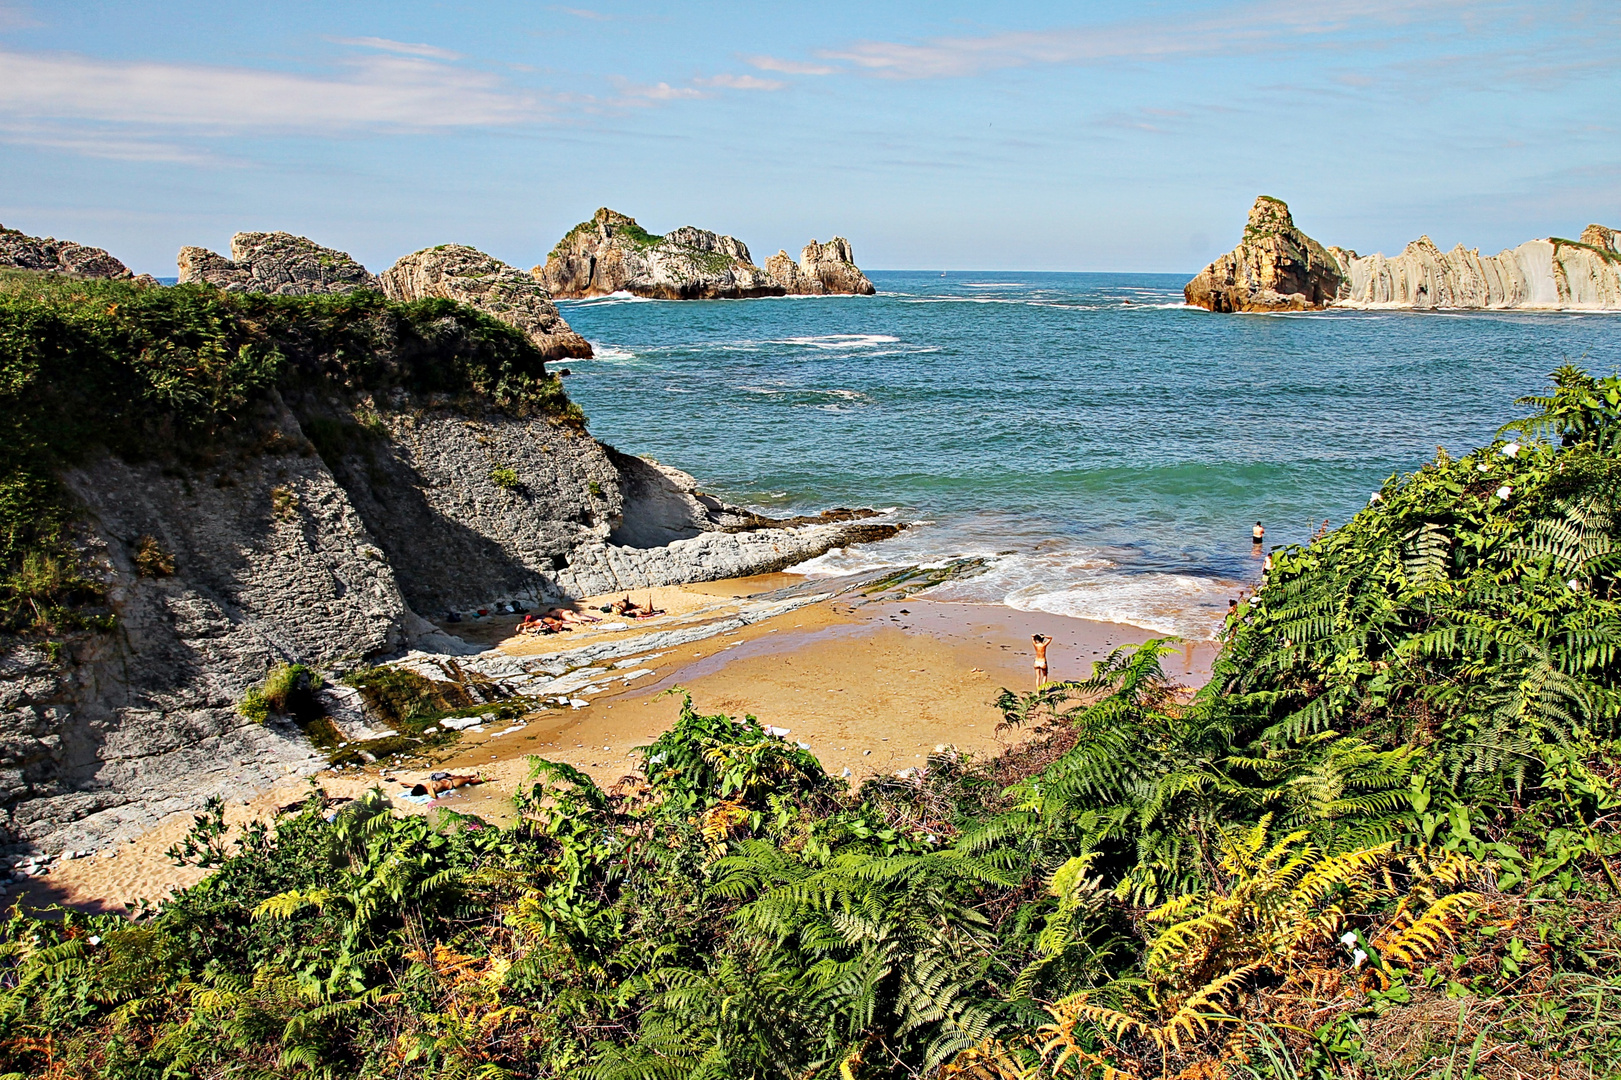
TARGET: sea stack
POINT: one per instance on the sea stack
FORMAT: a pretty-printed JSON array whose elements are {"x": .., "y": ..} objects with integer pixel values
[
  {"x": 48, "y": 255},
  {"x": 275, "y": 262},
  {"x": 611, "y": 253},
  {"x": 469, "y": 276},
  {"x": 823, "y": 269},
  {"x": 1276, "y": 267}
]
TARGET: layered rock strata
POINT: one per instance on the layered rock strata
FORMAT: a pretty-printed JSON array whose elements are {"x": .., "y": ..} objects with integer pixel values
[
  {"x": 468, "y": 276},
  {"x": 46, "y": 254},
  {"x": 283, "y": 553},
  {"x": 278, "y": 263},
  {"x": 823, "y": 269},
  {"x": 1278, "y": 268},
  {"x": 611, "y": 253}
]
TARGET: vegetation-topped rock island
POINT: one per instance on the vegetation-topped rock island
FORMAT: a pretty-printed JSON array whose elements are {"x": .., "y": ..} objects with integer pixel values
[
  {"x": 1276, "y": 267},
  {"x": 611, "y": 253}
]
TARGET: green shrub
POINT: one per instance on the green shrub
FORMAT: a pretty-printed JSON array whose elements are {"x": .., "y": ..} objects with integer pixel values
[
  {"x": 504, "y": 478},
  {"x": 254, "y": 706},
  {"x": 151, "y": 560}
]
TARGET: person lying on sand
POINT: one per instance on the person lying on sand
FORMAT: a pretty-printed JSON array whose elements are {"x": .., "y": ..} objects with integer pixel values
[
  {"x": 569, "y": 615},
  {"x": 448, "y": 783},
  {"x": 630, "y": 609}
]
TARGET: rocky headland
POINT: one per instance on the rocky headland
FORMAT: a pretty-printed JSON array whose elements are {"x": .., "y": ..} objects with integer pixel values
[
  {"x": 48, "y": 255},
  {"x": 822, "y": 270},
  {"x": 249, "y": 479},
  {"x": 468, "y": 276},
  {"x": 276, "y": 263},
  {"x": 1276, "y": 267},
  {"x": 611, "y": 253}
]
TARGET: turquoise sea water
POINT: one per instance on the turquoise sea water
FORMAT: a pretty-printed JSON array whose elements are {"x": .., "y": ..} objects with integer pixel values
[{"x": 1109, "y": 447}]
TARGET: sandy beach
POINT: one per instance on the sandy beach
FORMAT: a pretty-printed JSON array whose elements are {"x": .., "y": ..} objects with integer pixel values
[{"x": 870, "y": 686}]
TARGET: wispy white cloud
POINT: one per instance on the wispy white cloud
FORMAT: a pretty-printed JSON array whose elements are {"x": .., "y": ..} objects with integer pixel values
[
  {"x": 1247, "y": 29},
  {"x": 374, "y": 92},
  {"x": 585, "y": 13},
  {"x": 740, "y": 82},
  {"x": 403, "y": 48},
  {"x": 639, "y": 93},
  {"x": 111, "y": 145},
  {"x": 789, "y": 67}
]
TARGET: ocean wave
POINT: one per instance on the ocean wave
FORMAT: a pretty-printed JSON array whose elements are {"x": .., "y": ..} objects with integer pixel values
[{"x": 610, "y": 352}]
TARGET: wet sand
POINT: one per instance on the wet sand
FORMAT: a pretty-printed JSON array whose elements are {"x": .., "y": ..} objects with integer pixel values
[{"x": 870, "y": 687}]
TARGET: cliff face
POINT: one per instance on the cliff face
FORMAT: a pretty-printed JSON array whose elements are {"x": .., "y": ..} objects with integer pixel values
[
  {"x": 822, "y": 269},
  {"x": 48, "y": 255},
  {"x": 468, "y": 276},
  {"x": 611, "y": 253},
  {"x": 277, "y": 263},
  {"x": 330, "y": 513},
  {"x": 1278, "y": 268}
]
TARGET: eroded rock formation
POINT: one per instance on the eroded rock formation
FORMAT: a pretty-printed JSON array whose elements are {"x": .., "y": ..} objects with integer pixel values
[
  {"x": 46, "y": 254},
  {"x": 611, "y": 253},
  {"x": 275, "y": 262},
  {"x": 1279, "y": 268},
  {"x": 1276, "y": 267},
  {"x": 822, "y": 269},
  {"x": 468, "y": 276}
]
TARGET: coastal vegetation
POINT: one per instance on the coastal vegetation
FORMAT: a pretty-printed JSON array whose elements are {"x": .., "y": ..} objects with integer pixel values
[
  {"x": 186, "y": 373},
  {"x": 1380, "y": 843}
]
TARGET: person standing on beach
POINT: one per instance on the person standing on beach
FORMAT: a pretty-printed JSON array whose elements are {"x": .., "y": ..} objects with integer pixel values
[
  {"x": 1041, "y": 642},
  {"x": 1257, "y": 535}
]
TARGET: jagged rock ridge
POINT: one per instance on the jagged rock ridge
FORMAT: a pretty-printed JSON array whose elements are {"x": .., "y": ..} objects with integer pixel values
[
  {"x": 469, "y": 276},
  {"x": 46, "y": 254},
  {"x": 822, "y": 269},
  {"x": 275, "y": 262},
  {"x": 611, "y": 253},
  {"x": 1278, "y": 268}
]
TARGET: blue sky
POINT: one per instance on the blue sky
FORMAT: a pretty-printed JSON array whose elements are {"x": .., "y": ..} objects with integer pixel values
[{"x": 1081, "y": 136}]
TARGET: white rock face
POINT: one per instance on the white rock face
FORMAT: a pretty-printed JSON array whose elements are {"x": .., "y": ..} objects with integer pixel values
[
  {"x": 275, "y": 262},
  {"x": 1545, "y": 274}
]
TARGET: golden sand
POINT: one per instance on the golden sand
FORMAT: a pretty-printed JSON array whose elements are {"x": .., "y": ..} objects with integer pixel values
[{"x": 870, "y": 688}]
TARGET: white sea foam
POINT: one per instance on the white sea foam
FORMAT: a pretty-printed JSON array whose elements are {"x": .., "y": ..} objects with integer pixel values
[
  {"x": 839, "y": 341},
  {"x": 610, "y": 352},
  {"x": 1080, "y": 582}
]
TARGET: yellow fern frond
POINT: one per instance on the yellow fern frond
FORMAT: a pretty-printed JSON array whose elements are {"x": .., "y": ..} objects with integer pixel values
[
  {"x": 1173, "y": 941},
  {"x": 719, "y": 819},
  {"x": 1348, "y": 868},
  {"x": 1425, "y": 935},
  {"x": 284, "y": 905}
]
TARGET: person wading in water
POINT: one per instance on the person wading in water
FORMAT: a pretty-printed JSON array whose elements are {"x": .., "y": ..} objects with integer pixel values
[
  {"x": 1041, "y": 643},
  {"x": 1257, "y": 535}
]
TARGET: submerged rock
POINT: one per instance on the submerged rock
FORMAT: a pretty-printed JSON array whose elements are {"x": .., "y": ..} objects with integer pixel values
[
  {"x": 1279, "y": 268},
  {"x": 275, "y": 262},
  {"x": 611, "y": 253},
  {"x": 1276, "y": 267},
  {"x": 468, "y": 276},
  {"x": 46, "y": 254},
  {"x": 822, "y": 269}
]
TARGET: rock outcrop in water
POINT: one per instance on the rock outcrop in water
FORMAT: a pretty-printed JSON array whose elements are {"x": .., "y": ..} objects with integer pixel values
[
  {"x": 823, "y": 269},
  {"x": 1278, "y": 268},
  {"x": 611, "y": 253},
  {"x": 275, "y": 262},
  {"x": 468, "y": 276},
  {"x": 46, "y": 254}
]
